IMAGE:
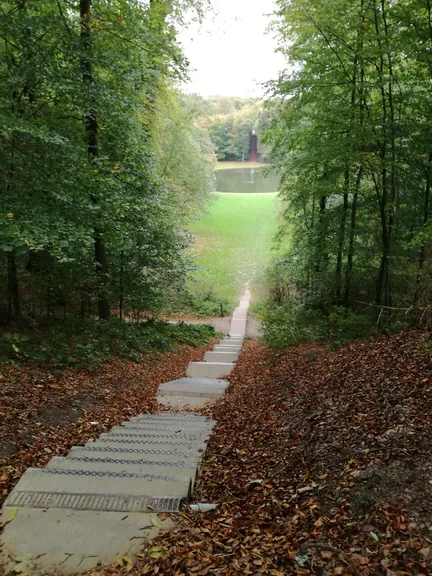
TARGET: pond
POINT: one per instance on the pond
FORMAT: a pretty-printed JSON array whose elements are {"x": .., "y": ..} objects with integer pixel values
[{"x": 246, "y": 180}]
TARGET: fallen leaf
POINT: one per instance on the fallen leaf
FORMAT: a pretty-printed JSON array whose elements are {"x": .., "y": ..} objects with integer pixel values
[{"x": 12, "y": 515}]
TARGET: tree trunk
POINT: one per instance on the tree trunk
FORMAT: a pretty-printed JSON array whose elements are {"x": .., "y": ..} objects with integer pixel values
[
  {"x": 426, "y": 210},
  {"x": 92, "y": 132},
  {"x": 14, "y": 308},
  {"x": 121, "y": 299},
  {"x": 350, "y": 263},
  {"x": 342, "y": 237},
  {"x": 392, "y": 136},
  {"x": 382, "y": 285},
  {"x": 321, "y": 256}
]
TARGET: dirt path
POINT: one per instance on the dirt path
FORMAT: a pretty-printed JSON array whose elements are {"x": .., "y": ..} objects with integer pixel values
[{"x": 222, "y": 325}]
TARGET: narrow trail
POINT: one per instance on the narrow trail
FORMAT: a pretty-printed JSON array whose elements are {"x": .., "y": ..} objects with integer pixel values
[{"x": 101, "y": 502}]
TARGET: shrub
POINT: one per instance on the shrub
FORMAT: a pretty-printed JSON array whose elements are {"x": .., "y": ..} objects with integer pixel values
[
  {"x": 293, "y": 322},
  {"x": 70, "y": 342}
]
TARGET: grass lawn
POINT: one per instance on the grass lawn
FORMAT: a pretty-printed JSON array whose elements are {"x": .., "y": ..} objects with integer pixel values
[
  {"x": 224, "y": 165},
  {"x": 234, "y": 242}
]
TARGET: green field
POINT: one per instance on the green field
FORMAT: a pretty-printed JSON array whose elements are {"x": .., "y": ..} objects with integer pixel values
[{"x": 234, "y": 242}]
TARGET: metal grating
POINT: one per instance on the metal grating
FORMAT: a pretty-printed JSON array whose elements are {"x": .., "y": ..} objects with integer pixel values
[
  {"x": 96, "y": 502},
  {"x": 134, "y": 462},
  {"x": 171, "y": 417},
  {"x": 135, "y": 451},
  {"x": 142, "y": 441},
  {"x": 177, "y": 429},
  {"x": 102, "y": 473},
  {"x": 145, "y": 435}
]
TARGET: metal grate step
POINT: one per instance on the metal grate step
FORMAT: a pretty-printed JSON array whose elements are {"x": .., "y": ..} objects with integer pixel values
[{"x": 96, "y": 502}]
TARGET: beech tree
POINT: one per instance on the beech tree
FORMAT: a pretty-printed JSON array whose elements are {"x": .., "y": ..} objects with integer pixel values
[
  {"x": 351, "y": 135},
  {"x": 88, "y": 223}
]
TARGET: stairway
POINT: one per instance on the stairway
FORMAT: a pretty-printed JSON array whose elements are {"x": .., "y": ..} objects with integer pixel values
[{"x": 100, "y": 502}]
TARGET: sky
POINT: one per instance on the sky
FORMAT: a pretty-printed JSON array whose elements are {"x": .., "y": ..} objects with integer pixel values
[{"x": 230, "y": 54}]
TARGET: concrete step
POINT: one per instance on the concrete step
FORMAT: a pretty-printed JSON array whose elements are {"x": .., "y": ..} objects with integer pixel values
[
  {"x": 121, "y": 465},
  {"x": 160, "y": 432},
  {"x": 152, "y": 429},
  {"x": 89, "y": 482},
  {"x": 60, "y": 541},
  {"x": 195, "y": 387},
  {"x": 119, "y": 452},
  {"x": 221, "y": 356},
  {"x": 186, "y": 402},
  {"x": 238, "y": 326},
  {"x": 147, "y": 447},
  {"x": 232, "y": 349},
  {"x": 175, "y": 416},
  {"x": 144, "y": 441},
  {"x": 209, "y": 369},
  {"x": 183, "y": 424}
]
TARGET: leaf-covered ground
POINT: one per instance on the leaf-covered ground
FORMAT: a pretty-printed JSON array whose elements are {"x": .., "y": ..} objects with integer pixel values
[
  {"x": 44, "y": 412},
  {"x": 321, "y": 463}
]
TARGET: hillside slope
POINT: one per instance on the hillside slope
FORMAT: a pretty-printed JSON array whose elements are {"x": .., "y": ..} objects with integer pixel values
[{"x": 321, "y": 463}]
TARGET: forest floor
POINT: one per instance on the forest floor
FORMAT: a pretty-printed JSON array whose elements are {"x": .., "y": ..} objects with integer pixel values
[
  {"x": 320, "y": 461},
  {"x": 45, "y": 411},
  {"x": 321, "y": 464}
]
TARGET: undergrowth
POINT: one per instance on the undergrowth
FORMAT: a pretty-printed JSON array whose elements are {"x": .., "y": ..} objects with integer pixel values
[
  {"x": 89, "y": 342},
  {"x": 203, "y": 303},
  {"x": 292, "y": 323}
]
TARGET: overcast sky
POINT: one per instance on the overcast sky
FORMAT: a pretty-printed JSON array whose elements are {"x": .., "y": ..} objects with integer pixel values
[{"x": 231, "y": 54}]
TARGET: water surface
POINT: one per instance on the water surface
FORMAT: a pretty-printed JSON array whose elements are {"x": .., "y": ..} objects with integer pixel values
[{"x": 246, "y": 180}]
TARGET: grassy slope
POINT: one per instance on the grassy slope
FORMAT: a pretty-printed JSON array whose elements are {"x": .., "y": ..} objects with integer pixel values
[{"x": 234, "y": 241}]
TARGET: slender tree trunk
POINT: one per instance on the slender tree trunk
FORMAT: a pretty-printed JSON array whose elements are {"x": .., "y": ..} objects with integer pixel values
[
  {"x": 121, "y": 300},
  {"x": 392, "y": 136},
  {"x": 14, "y": 307},
  {"x": 341, "y": 241},
  {"x": 426, "y": 211},
  {"x": 361, "y": 103},
  {"x": 321, "y": 256},
  {"x": 382, "y": 284},
  {"x": 92, "y": 135},
  {"x": 350, "y": 263}
]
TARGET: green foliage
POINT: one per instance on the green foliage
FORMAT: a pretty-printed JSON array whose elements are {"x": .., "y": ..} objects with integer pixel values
[
  {"x": 350, "y": 132},
  {"x": 294, "y": 322},
  {"x": 205, "y": 303},
  {"x": 94, "y": 211},
  {"x": 86, "y": 343},
  {"x": 230, "y": 122},
  {"x": 364, "y": 501}
]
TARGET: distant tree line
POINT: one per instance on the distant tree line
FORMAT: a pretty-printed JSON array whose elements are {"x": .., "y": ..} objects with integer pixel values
[
  {"x": 101, "y": 165},
  {"x": 351, "y": 134},
  {"x": 230, "y": 121}
]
